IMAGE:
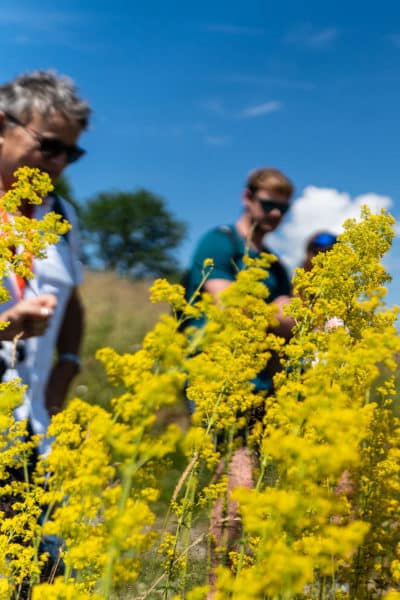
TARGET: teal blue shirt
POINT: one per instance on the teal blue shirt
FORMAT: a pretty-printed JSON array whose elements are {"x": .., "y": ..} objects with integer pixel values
[{"x": 225, "y": 246}]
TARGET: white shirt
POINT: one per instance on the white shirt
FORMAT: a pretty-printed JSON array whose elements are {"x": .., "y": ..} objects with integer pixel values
[{"x": 56, "y": 274}]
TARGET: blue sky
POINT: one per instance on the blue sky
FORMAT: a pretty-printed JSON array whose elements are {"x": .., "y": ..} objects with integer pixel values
[{"x": 189, "y": 97}]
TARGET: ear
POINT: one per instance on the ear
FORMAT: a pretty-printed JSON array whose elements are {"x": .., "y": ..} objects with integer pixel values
[
  {"x": 2, "y": 126},
  {"x": 246, "y": 198}
]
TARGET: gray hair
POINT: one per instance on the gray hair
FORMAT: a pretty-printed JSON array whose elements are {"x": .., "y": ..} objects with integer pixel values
[{"x": 47, "y": 93}]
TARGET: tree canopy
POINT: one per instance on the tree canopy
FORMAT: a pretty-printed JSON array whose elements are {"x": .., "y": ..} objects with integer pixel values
[{"x": 131, "y": 232}]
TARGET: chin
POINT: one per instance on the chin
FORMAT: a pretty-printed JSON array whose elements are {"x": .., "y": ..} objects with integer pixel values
[
  {"x": 266, "y": 227},
  {"x": 53, "y": 176}
]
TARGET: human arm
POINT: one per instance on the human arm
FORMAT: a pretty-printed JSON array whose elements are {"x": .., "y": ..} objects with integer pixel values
[
  {"x": 221, "y": 247},
  {"x": 68, "y": 346},
  {"x": 28, "y": 318},
  {"x": 285, "y": 323},
  {"x": 216, "y": 286},
  {"x": 280, "y": 291}
]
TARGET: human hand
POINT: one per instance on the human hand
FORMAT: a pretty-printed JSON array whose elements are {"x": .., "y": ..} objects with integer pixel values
[
  {"x": 281, "y": 301},
  {"x": 29, "y": 317}
]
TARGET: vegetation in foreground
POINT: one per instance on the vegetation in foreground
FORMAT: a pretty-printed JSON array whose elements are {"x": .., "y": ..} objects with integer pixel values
[{"x": 322, "y": 519}]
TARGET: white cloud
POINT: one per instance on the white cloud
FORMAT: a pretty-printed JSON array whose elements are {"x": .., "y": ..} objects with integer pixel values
[
  {"x": 230, "y": 29},
  {"x": 261, "y": 109},
  {"x": 217, "y": 140},
  {"x": 397, "y": 229},
  {"x": 323, "y": 38},
  {"x": 319, "y": 209},
  {"x": 38, "y": 19},
  {"x": 24, "y": 40},
  {"x": 215, "y": 106},
  {"x": 309, "y": 36}
]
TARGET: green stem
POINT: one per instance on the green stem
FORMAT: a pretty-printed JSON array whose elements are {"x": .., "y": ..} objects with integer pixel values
[
  {"x": 112, "y": 555},
  {"x": 187, "y": 524}
]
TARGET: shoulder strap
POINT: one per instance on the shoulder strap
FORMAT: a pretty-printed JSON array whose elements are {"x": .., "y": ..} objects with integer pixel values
[
  {"x": 237, "y": 245},
  {"x": 279, "y": 271},
  {"x": 281, "y": 274}
]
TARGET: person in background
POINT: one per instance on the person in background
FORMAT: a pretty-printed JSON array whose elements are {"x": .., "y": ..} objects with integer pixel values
[
  {"x": 41, "y": 119},
  {"x": 322, "y": 241},
  {"x": 266, "y": 199}
]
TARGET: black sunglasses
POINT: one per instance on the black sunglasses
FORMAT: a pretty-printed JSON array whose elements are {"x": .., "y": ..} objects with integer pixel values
[
  {"x": 268, "y": 205},
  {"x": 51, "y": 146}
]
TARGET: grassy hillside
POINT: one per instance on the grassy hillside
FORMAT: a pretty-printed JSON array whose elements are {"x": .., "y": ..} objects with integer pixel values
[{"x": 118, "y": 314}]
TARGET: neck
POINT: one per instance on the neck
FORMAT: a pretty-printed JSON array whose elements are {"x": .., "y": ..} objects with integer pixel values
[{"x": 250, "y": 232}]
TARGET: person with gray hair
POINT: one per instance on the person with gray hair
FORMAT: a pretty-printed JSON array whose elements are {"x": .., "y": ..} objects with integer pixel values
[{"x": 41, "y": 119}]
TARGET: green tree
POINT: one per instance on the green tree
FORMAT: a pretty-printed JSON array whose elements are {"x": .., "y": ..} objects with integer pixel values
[{"x": 132, "y": 233}]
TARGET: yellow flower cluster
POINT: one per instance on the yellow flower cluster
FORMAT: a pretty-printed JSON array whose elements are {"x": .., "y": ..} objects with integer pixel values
[
  {"x": 20, "y": 498},
  {"x": 322, "y": 519},
  {"x": 327, "y": 518},
  {"x": 29, "y": 236}
]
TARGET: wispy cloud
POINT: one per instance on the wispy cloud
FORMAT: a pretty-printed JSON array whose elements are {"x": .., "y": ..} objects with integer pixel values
[
  {"x": 23, "y": 40},
  {"x": 38, "y": 19},
  {"x": 230, "y": 29},
  {"x": 261, "y": 109},
  {"x": 39, "y": 27},
  {"x": 312, "y": 37},
  {"x": 216, "y": 106},
  {"x": 270, "y": 81},
  {"x": 217, "y": 140}
]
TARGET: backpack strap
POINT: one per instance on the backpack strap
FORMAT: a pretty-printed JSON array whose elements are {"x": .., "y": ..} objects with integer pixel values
[
  {"x": 237, "y": 244},
  {"x": 280, "y": 272},
  {"x": 276, "y": 267}
]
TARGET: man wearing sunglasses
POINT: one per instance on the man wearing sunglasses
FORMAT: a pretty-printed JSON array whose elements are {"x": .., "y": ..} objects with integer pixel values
[
  {"x": 266, "y": 199},
  {"x": 41, "y": 120}
]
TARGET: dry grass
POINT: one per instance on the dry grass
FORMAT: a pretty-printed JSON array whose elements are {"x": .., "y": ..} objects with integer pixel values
[{"x": 118, "y": 314}]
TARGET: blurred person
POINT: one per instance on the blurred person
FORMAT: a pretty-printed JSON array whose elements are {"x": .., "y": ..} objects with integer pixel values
[
  {"x": 41, "y": 120},
  {"x": 322, "y": 241},
  {"x": 266, "y": 199}
]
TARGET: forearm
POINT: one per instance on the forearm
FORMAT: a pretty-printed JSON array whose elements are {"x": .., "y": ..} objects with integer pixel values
[
  {"x": 71, "y": 331},
  {"x": 285, "y": 323}
]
